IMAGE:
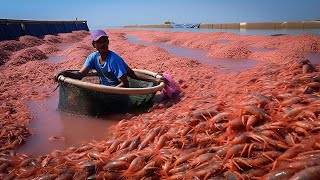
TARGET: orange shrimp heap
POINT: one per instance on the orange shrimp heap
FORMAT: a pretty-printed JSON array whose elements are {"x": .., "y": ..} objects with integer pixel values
[
  {"x": 263, "y": 123},
  {"x": 272, "y": 132}
]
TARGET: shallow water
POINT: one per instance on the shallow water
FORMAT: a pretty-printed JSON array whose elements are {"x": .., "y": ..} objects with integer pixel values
[
  {"x": 225, "y": 65},
  {"x": 313, "y": 57},
  {"x": 56, "y": 59},
  {"x": 64, "y": 46},
  {"x": 235, "y": 31},
  {"x": 70, "y": 130}
]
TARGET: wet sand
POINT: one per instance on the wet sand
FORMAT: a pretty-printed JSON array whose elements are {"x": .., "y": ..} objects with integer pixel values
[{"x": 26, "y": 74}]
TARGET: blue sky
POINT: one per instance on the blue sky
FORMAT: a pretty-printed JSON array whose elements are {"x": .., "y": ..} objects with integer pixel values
[{"x": 104, "y": 13}]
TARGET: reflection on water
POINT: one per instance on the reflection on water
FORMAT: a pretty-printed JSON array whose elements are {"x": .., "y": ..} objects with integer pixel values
[
  {"x": 56, "y": 59},
  {"x": 64, "y": 46},
  {"x": 223, "y": 41},
  {"x": 70, "y": 130},
  {"x": 261, "y": 49},
  {"x": 227, "y": 65},
  {"x": 313, "y": 57}
]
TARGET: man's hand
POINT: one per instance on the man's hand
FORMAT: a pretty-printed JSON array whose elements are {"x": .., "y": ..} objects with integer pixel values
[
  {"x": 160, "y": 78},
  {"x": 63, "y": 73}
]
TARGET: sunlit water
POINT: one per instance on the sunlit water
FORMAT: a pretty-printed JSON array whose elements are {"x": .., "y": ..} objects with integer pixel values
[
  {"x": 235, "y": 31},
  {"x": 52, "y": 129},
  {"x": 313, "y": 57},
  {"x": 57, "y": 59}
]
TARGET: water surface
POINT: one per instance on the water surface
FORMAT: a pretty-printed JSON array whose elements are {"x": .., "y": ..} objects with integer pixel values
[
  {"x": 225, "y": 65},
  {"x": 69, "y": 130}
]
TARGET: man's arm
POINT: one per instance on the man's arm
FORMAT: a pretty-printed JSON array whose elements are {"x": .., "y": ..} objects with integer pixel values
[
  {"x": 74, "y": 74},
  {"x": 123, "y": 81},
  {"x": 144, "y": 77}
]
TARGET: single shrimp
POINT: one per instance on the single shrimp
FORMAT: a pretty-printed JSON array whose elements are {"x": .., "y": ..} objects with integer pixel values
[
  {"x": 218, "y": 117},
  {"x": 293, "y": 113},
  {"x": 161, "y": 142},
  {"x": 202, "y": 158},
  {"x": 250, "y": 122},
  {"x": 234, "y": 150},
  {"x": 151, "y": 135},
  {"x": 134, "y": 143},
  {"x": 204, "y": 172},
  {"x": 113, "y": 147},
  {"x": 184, "y": 158},
  {"x": 273, "y": 125},
  {"x": 257, "y": 111},
  {"x": 181, "y": 168},
  {"x": 308, "y": 173},
  {"x": 293, "y": 152},
  {"x": 279, "y": 174},
  {"x": 116, "y": 166},
  {"x": 136, "y": 165},
  {"x": 27, "y": 173}
]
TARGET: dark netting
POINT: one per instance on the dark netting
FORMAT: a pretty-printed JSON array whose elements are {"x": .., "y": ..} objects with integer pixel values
[{"x": 77, "y": 100}]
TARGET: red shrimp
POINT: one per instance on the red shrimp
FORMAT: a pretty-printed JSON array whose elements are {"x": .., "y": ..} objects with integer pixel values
[
  {"x": 48, "y": 177},
  {"x": 151, "y": 135},
  {"x": 99, "y": 156},
  {"x": 257, "y": 111},
  {"x": 254, "y": 173},
  {"x": 186, "y": 130},
  {"x": 293, "y": 152},
  {"x": 279, "y": 174},
  {"x": 116, "y": 166},
  {"x": 177, "y": 176},
  {"x": 289, "y": 102},
  {"x": 181, "y": 168},
  {"x": 308, "y": 173},
  {"x": 205, "y": 172},
  {"x": 293, "y": 113},
  {"x": 127, "y": 157},
  {"x": 232, "y": 175},
  {"x": 288, "y": 138},
  {"x": 27, "y": 173},
  {"x": 242, "y": 138},
  {"x": 184, "y": 158},
  {"x": 114, "y": 146},
  {"x": 234, "y": 150},
  {"x": 136, "y": 165},
  {"x": 219, "y": 117},
  {"x": 147, "y": 169},
  {"x": 26, "y": 162},
  {"x": 251, "y": 121},
  {"x": 274, "y": 125},
  {"x": 202, "y": 158},
  {"x": 161, "y": 142},
  {"x": 303, "y": 163},
  {"x": 134, "y": 143}
]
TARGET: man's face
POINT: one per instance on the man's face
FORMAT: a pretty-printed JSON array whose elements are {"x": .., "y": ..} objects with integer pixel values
[{"x": 102, "y": 44}]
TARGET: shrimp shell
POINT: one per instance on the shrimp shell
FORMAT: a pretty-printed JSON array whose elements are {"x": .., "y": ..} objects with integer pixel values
[{"x": 308, "y": 173}]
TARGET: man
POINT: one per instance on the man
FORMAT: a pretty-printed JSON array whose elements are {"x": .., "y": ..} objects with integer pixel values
[{"x": 111, "y": 68}]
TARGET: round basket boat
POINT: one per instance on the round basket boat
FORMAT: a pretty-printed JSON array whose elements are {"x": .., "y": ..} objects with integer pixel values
[{"x": 88, "y": 97}]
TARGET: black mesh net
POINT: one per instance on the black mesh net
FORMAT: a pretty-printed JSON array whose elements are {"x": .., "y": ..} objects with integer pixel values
[{"x": 77, "y": 100}]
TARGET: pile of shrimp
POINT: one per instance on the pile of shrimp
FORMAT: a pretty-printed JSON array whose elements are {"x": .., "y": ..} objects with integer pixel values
[{"x": 268, "y": 129}]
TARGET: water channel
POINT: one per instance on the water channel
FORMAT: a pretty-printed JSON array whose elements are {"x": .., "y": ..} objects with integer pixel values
[{"x": 226, "y": 65}]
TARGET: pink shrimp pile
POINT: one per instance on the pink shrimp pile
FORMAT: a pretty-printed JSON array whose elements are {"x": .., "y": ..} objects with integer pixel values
[{"x": 259, "y": 124}]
